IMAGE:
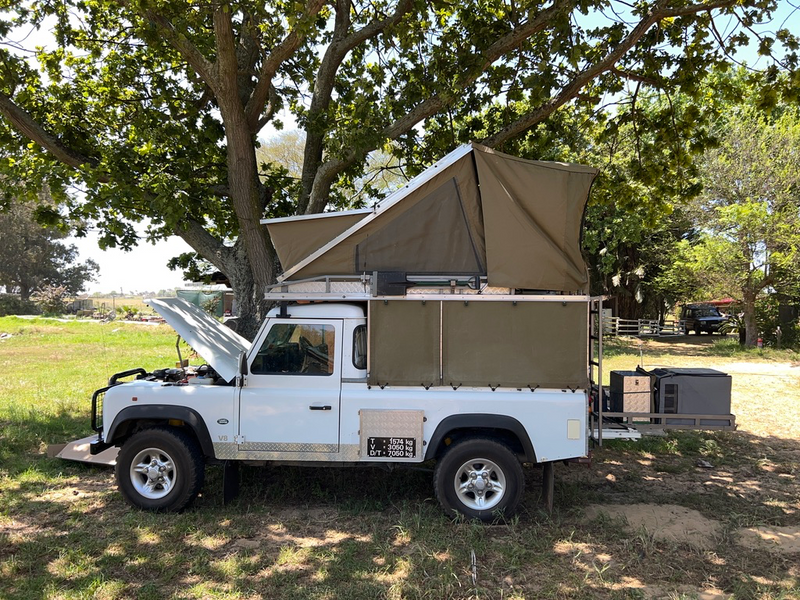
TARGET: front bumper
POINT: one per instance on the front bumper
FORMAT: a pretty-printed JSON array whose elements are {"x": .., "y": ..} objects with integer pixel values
[{"x": 97, "y": 446}]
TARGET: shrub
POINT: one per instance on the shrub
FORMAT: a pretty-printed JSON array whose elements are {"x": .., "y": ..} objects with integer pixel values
[
  {"x": 51, "y": 299},
  {"x": 12, "y": 304}
]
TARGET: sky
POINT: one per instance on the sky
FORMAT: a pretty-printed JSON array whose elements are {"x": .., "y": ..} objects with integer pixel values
[{"x": 143, "y": 269}]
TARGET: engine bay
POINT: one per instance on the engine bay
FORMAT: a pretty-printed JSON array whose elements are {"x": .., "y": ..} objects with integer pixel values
[{"x": 190, "y": 375}]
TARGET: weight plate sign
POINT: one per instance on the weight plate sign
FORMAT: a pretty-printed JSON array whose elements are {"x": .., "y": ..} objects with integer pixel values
[{"x": 391, "y": 447}]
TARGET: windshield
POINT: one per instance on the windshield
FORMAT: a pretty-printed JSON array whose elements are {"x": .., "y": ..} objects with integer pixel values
[{"x": 706, "y": 311}]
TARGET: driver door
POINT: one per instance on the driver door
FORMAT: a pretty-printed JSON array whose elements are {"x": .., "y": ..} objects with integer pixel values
[{"x": 290, "y": 402}]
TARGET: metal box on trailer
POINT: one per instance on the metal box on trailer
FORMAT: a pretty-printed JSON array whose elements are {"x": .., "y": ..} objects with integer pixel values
[
  {"x": 693, "y": 391},
  {"x": 631, "y": 392}
]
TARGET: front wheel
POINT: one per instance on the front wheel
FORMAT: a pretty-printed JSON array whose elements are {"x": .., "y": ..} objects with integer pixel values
[
  {"x": 160, "y": 469},
  {"x": 480, "y": 479}
]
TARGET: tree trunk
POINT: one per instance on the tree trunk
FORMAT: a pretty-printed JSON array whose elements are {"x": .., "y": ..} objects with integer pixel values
[
  {"x": 255, "y": 254},
  {"x": 245, "y": 291},
  {"x": 233, "y": 261},
  {"x": 627, "y": 306},
  {"x": 750, "y": 325}
]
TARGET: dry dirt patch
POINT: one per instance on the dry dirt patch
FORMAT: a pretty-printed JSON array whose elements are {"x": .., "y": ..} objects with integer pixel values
[
  {"x": 672, "y": 523},
  {"x": 665, "y": 522},
  {"x": 774, "y": 539}
]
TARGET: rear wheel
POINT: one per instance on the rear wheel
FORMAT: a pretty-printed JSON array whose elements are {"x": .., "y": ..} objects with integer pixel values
[
  {"x": 480, "y": 479},
  {"x": 160, "y": 469}
]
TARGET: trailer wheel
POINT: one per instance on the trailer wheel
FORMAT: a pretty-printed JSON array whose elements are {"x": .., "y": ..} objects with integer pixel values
[
  {"x": 480, "y": 479},
  {"x": 160, "y": 470}
]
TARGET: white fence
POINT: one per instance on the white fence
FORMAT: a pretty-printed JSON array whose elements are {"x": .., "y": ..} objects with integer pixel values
[{"x": 642, "y": 327}]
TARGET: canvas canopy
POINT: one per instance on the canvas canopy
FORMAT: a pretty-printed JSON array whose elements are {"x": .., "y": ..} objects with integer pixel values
[{"x": 475, "y": 212}]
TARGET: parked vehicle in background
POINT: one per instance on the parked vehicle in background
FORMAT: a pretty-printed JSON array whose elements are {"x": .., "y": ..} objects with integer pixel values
[{"x": 702, "y": 317}]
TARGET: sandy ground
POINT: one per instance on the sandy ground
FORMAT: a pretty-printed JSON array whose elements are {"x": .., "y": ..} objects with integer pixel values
[
  {"x": 764, "y": 400},
  {"x": 668, "y": 522}
]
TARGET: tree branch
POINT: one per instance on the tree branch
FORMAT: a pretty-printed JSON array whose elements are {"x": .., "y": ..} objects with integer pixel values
[
  {"x": 206, "y": 245},
  {"x": 202, "y": 66},
  {"x": 219, "y": 190},
  {"x": 271, "y": 108},
  {"x": 31, "y": 129},
  {"x": 272, "y": 63},
  {"x": 579, "y": 81},
  {"x": 327, "y": 172},
  {"x": 375, "y": 27},
  {"x": 637, "y": 78},
  {"x": 228, "y": 66},
  {"x": 335, "y": 54}
]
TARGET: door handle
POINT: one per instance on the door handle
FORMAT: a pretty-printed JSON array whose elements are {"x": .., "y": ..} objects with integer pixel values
[{"x": 326, "y": 407}]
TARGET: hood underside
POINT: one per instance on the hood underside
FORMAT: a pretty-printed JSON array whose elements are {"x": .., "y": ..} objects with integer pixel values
[{"x": 219, "y": 346}]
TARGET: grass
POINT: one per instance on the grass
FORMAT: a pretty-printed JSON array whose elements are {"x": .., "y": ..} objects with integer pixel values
[{"x": 364, "y": 533}]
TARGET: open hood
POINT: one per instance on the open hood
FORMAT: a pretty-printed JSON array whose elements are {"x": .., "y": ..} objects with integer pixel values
[{"x": 220, "y": 346}]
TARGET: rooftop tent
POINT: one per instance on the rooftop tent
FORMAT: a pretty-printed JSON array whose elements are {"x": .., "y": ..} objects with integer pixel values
[
  {"x": 475, "y": 212},
  {"x": 297, "y": 237}
]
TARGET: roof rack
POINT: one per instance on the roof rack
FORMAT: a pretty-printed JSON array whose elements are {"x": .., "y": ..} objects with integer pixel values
[{"x": 393, "y": 285}]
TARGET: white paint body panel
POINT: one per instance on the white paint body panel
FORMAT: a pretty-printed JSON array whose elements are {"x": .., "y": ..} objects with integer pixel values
[
  {"x": 269, "y": 417},
  {"x": 214, "y": 403},
  {"x": 279, "y": 409}
]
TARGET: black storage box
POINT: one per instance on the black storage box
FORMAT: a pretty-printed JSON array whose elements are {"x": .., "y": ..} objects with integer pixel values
[{"x": 694, "y": 392}]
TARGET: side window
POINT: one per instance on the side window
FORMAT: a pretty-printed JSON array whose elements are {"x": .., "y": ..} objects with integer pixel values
[
  {"x": 296, "y": 349},
  {"x": 360, "y": 347}
]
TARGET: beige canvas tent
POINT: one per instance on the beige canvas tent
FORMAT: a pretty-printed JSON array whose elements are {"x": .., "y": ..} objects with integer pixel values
[{"x": 475, "y": 212}]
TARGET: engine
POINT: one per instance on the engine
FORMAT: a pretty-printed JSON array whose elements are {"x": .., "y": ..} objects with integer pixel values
[{"x": 202, "y": 375}]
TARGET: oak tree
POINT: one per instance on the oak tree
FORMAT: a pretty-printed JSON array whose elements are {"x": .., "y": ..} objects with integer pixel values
[{"x": 153, "y": 109}]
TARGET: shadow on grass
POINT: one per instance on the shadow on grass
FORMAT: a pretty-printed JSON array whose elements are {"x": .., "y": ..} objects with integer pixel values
[
  {"x": 294, "y": 533},
  {"x": 25, "y": 436},
  {"x": 366, "y": 533}
]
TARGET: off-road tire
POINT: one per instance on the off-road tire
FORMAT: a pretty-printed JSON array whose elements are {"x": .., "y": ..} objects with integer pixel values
[
  {"x": 182, "y": 463},
  {"x": 478, "y": 456}
]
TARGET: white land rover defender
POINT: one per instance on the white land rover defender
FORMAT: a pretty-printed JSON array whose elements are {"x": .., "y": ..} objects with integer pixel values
[
  {"x": 301, "y": 393},
  {"x": 449, "y": 322}
]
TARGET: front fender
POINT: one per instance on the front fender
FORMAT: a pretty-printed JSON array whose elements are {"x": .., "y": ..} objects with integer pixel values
[{"x": 161, "y": 413}]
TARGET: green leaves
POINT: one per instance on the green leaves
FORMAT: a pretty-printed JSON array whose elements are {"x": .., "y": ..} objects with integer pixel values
[
  {"x": 750, "y": 207},
  {"x": 144, "y": 109}
]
